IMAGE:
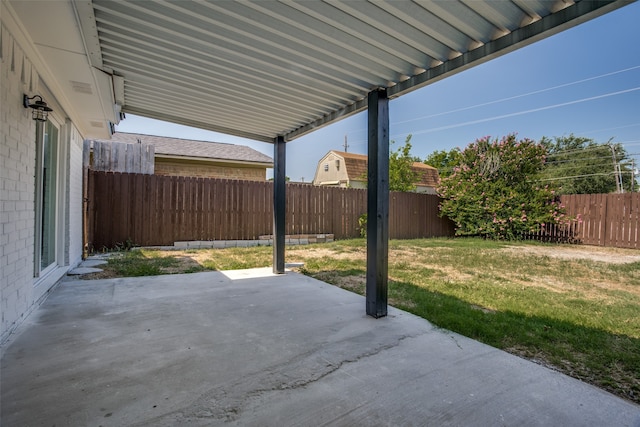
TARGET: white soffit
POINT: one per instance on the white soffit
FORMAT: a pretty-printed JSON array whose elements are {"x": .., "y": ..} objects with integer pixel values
[
  {"x": 268, "y": 68},
  {"x": 83, "y": 92}
]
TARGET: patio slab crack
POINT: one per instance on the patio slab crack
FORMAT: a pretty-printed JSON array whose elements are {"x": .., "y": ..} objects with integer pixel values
[{"x": 227, "y": 404}]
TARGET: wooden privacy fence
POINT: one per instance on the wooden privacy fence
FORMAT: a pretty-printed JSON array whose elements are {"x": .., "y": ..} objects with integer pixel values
[
  {"x": 112, "y": 156},
  {"x": 605, "y": 219},
  {"x": 154, "y": 210},
  {"x": 597, "y": 219}
]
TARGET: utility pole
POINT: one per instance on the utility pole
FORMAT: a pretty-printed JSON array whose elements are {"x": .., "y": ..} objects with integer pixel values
[
  {"x": 620, "y": 178},
  {"x": 346, "y": 146},
  {"x": 615, "y": 166}
]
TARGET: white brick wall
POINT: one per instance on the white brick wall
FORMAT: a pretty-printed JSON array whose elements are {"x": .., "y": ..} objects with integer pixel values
[
  {"x": 20, "y": 293},
  {"x": 17, "y": 162}
]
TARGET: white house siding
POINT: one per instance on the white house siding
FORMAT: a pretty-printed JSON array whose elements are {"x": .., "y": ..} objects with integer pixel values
[{"x": 20, "y": 292}]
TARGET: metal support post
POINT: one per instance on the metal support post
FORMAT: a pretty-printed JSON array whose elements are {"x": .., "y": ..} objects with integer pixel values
[
  {"x": 279, "y": 204},
  {"x": 378, "y": 204}
]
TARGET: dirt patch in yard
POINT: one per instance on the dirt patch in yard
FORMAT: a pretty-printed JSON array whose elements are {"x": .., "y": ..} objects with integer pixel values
[
  {"x": 568, "y": 252},
  {"x": 316, "y": 252}
]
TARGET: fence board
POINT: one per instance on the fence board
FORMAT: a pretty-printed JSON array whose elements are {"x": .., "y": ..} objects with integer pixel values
[
  {"x": 167, "y": 207},
  {"x": 635, "y": 222}
]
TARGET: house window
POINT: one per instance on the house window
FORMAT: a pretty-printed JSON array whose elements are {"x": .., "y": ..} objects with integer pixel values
[
  {"x": 338, "y": 164},
  {"x": 326, "y": 167},
  {"x": 45, "y": 196}
]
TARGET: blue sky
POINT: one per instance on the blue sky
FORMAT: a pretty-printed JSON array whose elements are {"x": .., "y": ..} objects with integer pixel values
[{"x": 584, "y": 81}]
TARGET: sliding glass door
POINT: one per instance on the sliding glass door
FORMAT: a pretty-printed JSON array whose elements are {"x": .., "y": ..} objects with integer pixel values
[{"x": 46, "y": 196}]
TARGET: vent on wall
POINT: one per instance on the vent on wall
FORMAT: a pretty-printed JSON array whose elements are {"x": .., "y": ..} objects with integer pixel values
[
  {"x": 96, "y": 124},
  {"x": 81, "y": 87}
]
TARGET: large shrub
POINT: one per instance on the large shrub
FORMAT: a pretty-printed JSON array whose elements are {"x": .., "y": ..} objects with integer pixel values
[{"x": 493, "y": 191}]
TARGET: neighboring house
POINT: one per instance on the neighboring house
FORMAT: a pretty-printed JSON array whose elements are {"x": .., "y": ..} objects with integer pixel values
[
  {"x": 185, "y": 157},
  {"x": 341, "y": 169}
]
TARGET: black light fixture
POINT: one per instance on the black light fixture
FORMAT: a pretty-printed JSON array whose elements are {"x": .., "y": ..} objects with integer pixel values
[{"x": 40, "y": 108}]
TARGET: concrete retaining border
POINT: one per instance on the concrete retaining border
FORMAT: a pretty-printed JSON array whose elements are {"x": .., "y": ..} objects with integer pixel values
[{"x": 266, "y": 240}]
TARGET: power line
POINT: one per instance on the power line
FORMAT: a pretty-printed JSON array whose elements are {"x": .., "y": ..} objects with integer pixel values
[
  {"x": 418, "y": 132},
  {"x": 359, "y": 142},
  {"x": 608, "y": 129},
  {"x": 484, "y": 104},
  {"x": 580, "y": 159},
  {"x": 590, "y": 147},
  {"x": 578, "y": 150},
  {"x": 558, "y": 170},
  {"x": 579, "y": 176},
  {"x": 533, "y": 110},
  {"x": 563, "y": 169}
]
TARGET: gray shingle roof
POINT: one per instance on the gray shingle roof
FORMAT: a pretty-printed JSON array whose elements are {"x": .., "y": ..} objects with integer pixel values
[{"x": 195, "y": 149}]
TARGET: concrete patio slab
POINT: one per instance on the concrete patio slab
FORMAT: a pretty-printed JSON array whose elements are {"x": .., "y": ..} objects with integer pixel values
[{"x": 254, "y": 349}]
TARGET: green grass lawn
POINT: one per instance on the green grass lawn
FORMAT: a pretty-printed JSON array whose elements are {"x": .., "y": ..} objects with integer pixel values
[{"x": 579, "y": 316}]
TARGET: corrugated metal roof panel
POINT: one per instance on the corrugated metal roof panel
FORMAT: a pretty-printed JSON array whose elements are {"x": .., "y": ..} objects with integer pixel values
[{"x": 267, "y": 68}]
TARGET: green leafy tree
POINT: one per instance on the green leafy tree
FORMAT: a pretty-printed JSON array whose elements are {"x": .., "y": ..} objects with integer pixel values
[
  {"x": 582, "y": 166},
  {"x": 492, "y": 192},
  {"x": 444, "y": 161},
  {"x": 402, "y": 177}
]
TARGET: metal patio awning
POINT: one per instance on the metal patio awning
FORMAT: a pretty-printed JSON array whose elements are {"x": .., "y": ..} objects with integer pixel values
[{"x": 268, "y": 68}]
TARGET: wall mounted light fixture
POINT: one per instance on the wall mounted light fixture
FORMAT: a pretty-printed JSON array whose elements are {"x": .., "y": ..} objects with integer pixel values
[{"x": 40, "y": 108}]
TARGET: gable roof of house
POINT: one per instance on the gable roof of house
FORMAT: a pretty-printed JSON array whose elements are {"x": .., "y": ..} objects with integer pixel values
[
  {"x": 356, "y": 167},
  {"x": 188, "y": 148}
]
